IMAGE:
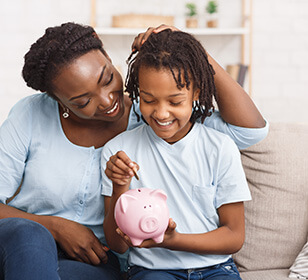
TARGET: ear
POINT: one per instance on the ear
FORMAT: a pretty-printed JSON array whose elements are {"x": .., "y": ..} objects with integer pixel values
[
  {"x": 124, "y": 201},
  {"x": 159, "y": 193},
  {"x": 196, "y": 94}
]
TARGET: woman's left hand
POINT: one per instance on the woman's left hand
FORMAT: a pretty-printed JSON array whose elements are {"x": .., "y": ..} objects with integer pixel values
[{"x": 142, "y": 37}]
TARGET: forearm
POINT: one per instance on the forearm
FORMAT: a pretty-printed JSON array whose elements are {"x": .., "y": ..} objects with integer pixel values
[
  {"x": 235, "y": 105},
  {"x": 220, "y": 241},
  {"x": 50, "y": 222},
  {"x": 114, "y": 240}
]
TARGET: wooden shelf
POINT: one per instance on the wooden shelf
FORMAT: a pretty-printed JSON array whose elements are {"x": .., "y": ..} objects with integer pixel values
[
  {"x": 243, "y": 33},
  {"x": 194, "y": 31}
]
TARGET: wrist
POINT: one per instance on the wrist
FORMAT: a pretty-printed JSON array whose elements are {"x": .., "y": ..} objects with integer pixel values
[
  {"x": 117, "y": 189},
  {"x": 52, "y": 223}
]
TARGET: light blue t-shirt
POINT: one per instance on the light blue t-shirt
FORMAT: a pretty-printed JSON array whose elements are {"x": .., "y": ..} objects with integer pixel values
[
  {"x": 199, "y": 173},
  {"x": 59, "y": 177}
]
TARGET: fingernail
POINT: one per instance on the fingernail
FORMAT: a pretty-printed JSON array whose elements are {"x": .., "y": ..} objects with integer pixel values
[
  {"x": 142, "y": 42},
  {"x": 106, "y": 248}
]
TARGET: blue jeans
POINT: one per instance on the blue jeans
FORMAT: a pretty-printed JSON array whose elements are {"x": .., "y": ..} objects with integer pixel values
[
  {"x": 223, "y": 271},
  {"x": 29, "y": 251}
]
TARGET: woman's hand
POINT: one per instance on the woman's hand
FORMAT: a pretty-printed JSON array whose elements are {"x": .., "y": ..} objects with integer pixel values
[
  {"x": 169, "y": 236},
  {"x": 79, "y": 242},
  {"x": 142, "y": 37},
  {"x": 120, "y": 169}
]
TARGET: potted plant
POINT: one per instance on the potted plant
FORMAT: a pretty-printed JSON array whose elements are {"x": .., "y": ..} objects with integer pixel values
[
  {"x": 191, "y": 15},
  {"x": 212, "y": 9}
]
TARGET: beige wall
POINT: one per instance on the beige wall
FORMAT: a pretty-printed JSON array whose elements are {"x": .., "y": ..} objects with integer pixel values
[{"x": 280, "y": 45}]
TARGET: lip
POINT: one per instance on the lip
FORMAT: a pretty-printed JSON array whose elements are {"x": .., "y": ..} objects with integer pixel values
[
  {"x": 164, "y": 124},
  {"x": 112, "y": 110}
]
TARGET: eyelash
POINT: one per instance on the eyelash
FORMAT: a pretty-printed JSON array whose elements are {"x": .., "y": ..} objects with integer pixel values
[
  {"x": 172, "y": 103},
  {"x": 110, "y": 80},
  {"x": 147, "y": 102},
  {"x": 175, "y": 104},
  {"x": 84, "y": 105}
]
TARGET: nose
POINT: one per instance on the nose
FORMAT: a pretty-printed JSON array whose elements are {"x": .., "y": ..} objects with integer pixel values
[
  {"x": 161, "y": 112},
  {"x": 105, "y": 100},
  {"x": 149, "y": 224}
]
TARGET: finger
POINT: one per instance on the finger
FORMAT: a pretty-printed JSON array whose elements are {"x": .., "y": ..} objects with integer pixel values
[
  {"x": 141, "y": 38},
  {"x": 137, "y": 42},
  {"x": 133, "y": 166},
  {"x": 114, "y": 176},
  {"x": 171, "y": 225},
  {"x": 147, "y": 34},
  {"x": 115, "y": 169},
  {"x": 83, "y": 258},
  {"x": 121, "y": 165},
  {"x": 124, "y": 237},
  {"x": 100, "y": 253},
  {"x": 164, "y": 27},
  {"x": 93, "y": 257}
]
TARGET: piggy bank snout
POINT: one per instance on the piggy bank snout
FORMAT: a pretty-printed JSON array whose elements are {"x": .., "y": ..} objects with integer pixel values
[{"x": 149, "y": 224}]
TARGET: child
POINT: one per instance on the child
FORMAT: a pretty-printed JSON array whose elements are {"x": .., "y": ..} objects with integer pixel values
[{"x": 199, "y": 168}]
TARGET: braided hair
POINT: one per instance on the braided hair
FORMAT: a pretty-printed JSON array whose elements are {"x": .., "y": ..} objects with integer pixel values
[
  {"x": 58, "y": 47},
  {"x": 184, "y": 56}
]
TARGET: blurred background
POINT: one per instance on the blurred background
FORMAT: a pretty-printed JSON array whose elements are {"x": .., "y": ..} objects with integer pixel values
[{"x": 262, "y": 43}]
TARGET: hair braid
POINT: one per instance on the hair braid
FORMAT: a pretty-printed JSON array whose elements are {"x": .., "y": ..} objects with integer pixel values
[
  {"x": 183, "y": 54},
  {"x": 59, "y": 46}
]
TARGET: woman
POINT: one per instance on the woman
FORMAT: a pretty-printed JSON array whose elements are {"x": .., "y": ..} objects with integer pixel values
[{"x": 51, "y": 143}]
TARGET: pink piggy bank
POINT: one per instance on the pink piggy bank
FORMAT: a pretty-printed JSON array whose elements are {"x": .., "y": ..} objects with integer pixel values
[{"x": 142, "y": 214}]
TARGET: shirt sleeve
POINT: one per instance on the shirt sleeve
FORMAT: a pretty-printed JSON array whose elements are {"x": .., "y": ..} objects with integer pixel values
[
  {"x": 110, "y": 148},
  {"x": 242, "y": 136},
  {"x": 14, "y": 143},
  {"x": 231, "y": 180}
]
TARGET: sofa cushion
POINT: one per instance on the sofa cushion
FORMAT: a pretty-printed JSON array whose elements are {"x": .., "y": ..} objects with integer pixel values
[
  {"x": 277, "y": 217},
  {"x": 300, "y": 266},
  {"x": 278, "y": 274}
]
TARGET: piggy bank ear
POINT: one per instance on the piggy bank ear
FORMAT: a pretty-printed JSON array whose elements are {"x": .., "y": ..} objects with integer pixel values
[
  {"x": 159, "y": 193},
  {"x": 125, "y": 199}
]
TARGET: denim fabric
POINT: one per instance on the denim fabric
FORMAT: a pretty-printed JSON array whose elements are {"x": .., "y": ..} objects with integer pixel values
[
  {"x": 223, "y": 271},
  {"x": 28, "y": 251},
  {"x": 74, "y": 270}
]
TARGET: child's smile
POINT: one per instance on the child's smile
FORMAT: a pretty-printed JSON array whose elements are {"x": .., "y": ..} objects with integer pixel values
[{"x": 165, "y": 107}]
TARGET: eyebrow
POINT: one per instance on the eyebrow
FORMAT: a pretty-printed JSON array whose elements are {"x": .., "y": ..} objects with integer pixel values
[
  {"x": 172, "y": 95},
  {"x": 98, "y": 81}
]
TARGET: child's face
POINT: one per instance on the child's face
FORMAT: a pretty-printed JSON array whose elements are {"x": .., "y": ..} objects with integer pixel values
[{"x": 165, "y": 108}]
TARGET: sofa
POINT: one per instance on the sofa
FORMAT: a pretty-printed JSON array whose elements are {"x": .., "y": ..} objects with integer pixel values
[{"x": 277, "y": 216}]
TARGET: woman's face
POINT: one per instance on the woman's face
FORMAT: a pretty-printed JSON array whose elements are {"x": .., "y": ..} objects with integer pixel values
[
  {"x": 165, "y": 108},
  {"x": 91, "y": 88}
]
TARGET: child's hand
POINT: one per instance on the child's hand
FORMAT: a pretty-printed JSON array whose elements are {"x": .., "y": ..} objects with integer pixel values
[
  {"x": 120, "y": 169},
  {"x": 150, "y": 243}
]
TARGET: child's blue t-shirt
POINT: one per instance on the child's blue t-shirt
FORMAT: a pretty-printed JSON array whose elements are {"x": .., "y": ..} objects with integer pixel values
[{"x": 199, "y": 173}]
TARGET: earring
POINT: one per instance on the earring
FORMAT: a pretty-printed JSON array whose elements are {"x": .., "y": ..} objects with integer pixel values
[
  {"x": 196, "y": 105},
  {"x": 66, "y": 113}
]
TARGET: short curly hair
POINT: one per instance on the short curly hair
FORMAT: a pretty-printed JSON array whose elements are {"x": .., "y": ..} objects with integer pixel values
[
  {"x": 184, "y": 56},
  {"x": 58, "y": 47}
]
